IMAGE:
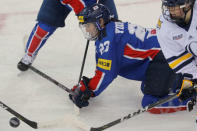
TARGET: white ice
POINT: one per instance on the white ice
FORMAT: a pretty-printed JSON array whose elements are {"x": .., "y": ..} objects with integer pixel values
[{"x": 40, "y": 100}]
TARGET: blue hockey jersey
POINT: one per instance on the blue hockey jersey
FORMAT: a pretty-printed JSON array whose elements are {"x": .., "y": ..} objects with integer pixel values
[{"x": 125, "y": 50}]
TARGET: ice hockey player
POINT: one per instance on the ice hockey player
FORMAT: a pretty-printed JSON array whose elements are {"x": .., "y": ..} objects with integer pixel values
[
  {"x": 132, "y": 52},
  {"x": 52, "y": 15},
  {"x": 176, "y": 33}
]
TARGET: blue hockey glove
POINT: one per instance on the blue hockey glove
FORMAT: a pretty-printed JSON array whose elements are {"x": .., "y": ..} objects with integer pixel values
[{"x": 82, "y": 93}]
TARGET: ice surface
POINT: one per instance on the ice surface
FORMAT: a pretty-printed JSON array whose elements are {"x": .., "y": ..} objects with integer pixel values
[{"x": 42, "y": 101}]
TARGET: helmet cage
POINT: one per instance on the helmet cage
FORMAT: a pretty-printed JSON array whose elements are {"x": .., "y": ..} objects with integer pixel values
[
  {"x": 166, "y": 4},
  {"x": 93, "y": 35}
]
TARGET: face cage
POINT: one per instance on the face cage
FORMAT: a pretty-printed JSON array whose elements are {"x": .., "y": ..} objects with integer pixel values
[
  {"x": 168, "y": 17},
  {"x": 88, "y": 35},
  {"x": 166, "y": 13}
]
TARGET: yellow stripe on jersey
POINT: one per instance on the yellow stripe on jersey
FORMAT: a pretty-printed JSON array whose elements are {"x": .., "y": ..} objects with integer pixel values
[
  {"x": 179, "y": 60},
  {"x": 104, "y": 64}
]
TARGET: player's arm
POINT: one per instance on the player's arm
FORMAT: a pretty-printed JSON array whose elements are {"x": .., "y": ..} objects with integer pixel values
[
  {"x": 192, "y": 48},
  {"x": 106, "y": 72},
  {"x": 90, "y": 88},
  {"x": 100, "y": 82}
]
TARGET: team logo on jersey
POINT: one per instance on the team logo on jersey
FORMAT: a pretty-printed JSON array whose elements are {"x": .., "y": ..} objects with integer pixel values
[
  {"x": 104, "y": 64},
  {"x": 177, "y": 37}
]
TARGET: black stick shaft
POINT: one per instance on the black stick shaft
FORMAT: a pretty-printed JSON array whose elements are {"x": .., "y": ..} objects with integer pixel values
[
  {"x": 120, "y": 120},
  {"x": 19, "y": 116},
  {"x": 51, "y": 80},
  {"x": 83, "y": 62}
]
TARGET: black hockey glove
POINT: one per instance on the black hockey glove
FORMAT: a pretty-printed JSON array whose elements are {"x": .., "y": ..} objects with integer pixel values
[
  {"x": 184, "y": 81},
  {"x": 188, "y": 87},
  {"x": 191, "y": 104},
  {"x": 82, "y": 93},
  {"x": 187, "y": 93}
]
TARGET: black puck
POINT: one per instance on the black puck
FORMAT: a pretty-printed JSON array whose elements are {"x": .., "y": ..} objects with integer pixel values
[{"x": 14, "y": 122}]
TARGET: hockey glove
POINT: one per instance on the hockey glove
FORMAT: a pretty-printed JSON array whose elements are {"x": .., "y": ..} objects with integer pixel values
[
  {"x": 187, "y": 93},
  {"x": 187, "y": 88},
  {"x": 81, "y": 93}
]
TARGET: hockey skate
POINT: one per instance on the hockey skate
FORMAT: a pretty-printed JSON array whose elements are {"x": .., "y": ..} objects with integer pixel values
[{"x": 25, "y": 62}]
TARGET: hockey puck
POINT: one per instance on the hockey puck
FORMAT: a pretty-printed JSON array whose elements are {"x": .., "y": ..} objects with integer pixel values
[{"x": 14, "y": 122}]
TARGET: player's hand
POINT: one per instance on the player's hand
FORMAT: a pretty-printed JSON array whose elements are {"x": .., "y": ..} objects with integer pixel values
[
  {"x": 188, "y": 89},
  {"x": 187, "y": 93},
  {"x": 81, "y": 93}
]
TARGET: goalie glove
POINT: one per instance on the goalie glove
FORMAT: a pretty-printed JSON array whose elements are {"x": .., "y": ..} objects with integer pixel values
[{"x": 81, "y": 93}]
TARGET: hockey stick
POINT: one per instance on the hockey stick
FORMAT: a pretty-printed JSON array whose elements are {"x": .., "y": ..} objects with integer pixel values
[
  {"x": 78, "y": 123},
  {"x": 49, "y": 124},
  {"x": 81, "y": 72},
  {"x": 122, "y": 119},
  {"x": 83, "y": 62},
  {"x": 32, "y": 124},
  {"x": 76, "y": 109},
  {"x": 51, "y": 80}
]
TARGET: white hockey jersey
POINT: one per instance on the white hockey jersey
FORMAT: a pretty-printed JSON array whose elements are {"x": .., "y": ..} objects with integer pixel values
[{"x": 173, "y": 41}]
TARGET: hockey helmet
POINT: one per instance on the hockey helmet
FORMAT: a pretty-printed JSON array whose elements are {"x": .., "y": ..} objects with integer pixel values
[
  {"x": 93, "y": 14},
  {"x": 182, "y": 4}
]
